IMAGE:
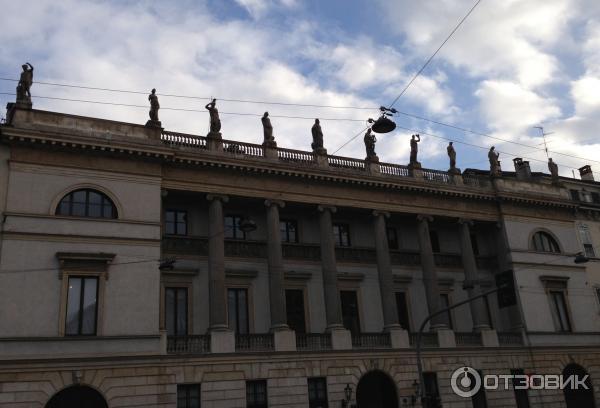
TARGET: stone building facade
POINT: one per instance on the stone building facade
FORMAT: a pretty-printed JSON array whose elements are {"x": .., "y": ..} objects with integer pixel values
[{"x": 141, "y": 267}]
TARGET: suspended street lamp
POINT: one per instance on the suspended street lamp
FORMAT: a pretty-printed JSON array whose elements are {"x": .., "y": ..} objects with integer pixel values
[{"x": 383, "y": 124}]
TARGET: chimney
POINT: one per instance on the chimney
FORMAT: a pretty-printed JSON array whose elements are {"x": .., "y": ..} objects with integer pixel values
[
  {"x": 586, "y": 173},
  {"x": 522, "y": 169}
]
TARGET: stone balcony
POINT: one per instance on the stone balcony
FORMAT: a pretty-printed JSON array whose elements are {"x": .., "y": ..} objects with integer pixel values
[{"x": 180, "y": 245}]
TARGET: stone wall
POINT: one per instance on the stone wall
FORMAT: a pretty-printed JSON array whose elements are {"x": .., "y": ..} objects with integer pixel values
[{"x": 152, "y": 382}]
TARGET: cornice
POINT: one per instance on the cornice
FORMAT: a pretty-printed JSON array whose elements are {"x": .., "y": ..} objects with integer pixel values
[{"x": 177, "y": 156}]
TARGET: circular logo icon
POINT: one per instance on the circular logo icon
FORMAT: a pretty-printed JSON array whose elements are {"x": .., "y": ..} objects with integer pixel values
[{"x": 465, "y": 382}]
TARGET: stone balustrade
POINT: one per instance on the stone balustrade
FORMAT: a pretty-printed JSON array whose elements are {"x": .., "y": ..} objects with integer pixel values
[
  {"x": 371, "y": 340},
  {"x": 243, "y": 150},
  {"x": 176, "y": 245}
]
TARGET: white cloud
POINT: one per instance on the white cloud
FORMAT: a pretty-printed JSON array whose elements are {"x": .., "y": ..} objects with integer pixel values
[
  {"x": 505, "y": 40},
  {"x": 509, "y": 107},
  {"x": 259, "y": 8}
]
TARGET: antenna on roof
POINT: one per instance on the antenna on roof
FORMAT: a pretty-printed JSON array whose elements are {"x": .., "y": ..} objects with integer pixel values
[{"x": 544, "y": 134}]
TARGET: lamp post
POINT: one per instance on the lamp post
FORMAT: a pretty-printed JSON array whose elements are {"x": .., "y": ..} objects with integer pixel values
[
  {"x": 420, "y": 388},
  {"x": 347, "y": 395},
  {"x": 581, "y": 258}
]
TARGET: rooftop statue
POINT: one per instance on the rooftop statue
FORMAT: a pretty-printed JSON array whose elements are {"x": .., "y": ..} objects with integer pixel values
[
  {"x": 370, "y": 141},
  {"x": 414, "y": 150},
  {"x": 154, "y": 122},
  {"x": 215, "y": 122},
  {"x": 24, "y": 86},
  {"x": 317, "y": 135},
  {"x": 494, "y": 162},
  {"x": 154, "y": 106},
  {"x": 452, "y": 155},
  {"x": 553, "y": 167},
  {"x": 269, "y": 139}
]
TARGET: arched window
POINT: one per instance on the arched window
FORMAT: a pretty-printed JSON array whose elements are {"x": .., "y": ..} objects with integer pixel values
[
  {"x": 87, "y": 203},
  {"x": 543, "y": 242}
]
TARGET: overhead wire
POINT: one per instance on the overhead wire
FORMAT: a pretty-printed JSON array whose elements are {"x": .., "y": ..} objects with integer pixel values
[
  {"x": 7, "y": 271},
  {"x": 435, "y": 53},
  {"x": 411, "y": 115},
  {"x": 183, "y": 109},
  {"x": 494, "y": 137},
  {"x": 421, "y": 132},
  {"x": 308, "y": 105},
  {"x": 298, "y": 117}
]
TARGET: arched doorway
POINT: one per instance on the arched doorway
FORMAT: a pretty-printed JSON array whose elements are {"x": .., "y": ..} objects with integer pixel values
[
  {"x": 77, "y": 396},
  {"x": 581, "y": 397},
  {"x": 376, "y": 390}
]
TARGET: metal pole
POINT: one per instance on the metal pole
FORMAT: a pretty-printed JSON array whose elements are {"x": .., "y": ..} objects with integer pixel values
[{"x": 420, "y": 392}]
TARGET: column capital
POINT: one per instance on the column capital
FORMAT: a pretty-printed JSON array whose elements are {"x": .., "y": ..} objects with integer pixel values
[
  {"x": 466, "y": 221},
  {"x": 329, "y": 208},
  {"x": 279, "y": 203},
  {"x": 221, "y": 197},
  {"x": 424, "y": 217},
  {"x": 377, "y": 213}
]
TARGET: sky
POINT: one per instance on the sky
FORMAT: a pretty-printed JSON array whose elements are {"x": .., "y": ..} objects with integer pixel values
[{"x": 511, "y": 66}]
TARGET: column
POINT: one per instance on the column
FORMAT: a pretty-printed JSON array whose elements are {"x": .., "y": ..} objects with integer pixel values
[
  {"x": 472, "y": 284},
  {"x": 384, "y": 268},
  {"x": 216, "y": 262},
  {"x": 430, "y": 280},
  {"x": 328, "y": 264},
  {"x": 275, "y": 263}
]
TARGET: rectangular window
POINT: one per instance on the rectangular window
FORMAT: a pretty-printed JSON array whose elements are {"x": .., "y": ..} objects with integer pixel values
[
  {"x": 445, "y": 302},
  {"x": 478, "y": 400},
  {"x": 289, "y": 231},
  {"x": 402, "y": 307},
  {"x": 82, "y": 306},
  {"x": 435, "y": 241},
  {"x": 574, "y": 195},
  {"x": 392, "y": 237},
  {"x": 176, "y": 222},
  {"x": 294, "y": 306},
  {"x": 317, "y": 392},
  {"x": 233, "y": 227},
  {"x": 237, "y": 310},
  {"x": 341, "y": 234},
  {"x": 585, "y": 196},
  {"x": 559, "y": 310},
  {"x": 598, "y": 295},
  {"x": 350, "y": 317},
  {"x": 188, "y": 395},
  {"x": 256, "y": 394},
  {"x": 521, "y": 397},
  {"x": 596, "y": 198},
  {"x": 176, "y": 311},
  {"x": 431, "y": 391},
  {"x": 586, "y": 241}
]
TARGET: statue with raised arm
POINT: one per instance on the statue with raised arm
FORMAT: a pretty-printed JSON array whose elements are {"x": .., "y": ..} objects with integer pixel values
[
  {"x": 24, "y": 86},
  {"x": 494, "y": 162},
  {"x": 154, "y": 106},
  {"x": 317, "y": 135},
  {"x": 414, "y": 150},
  {"x": 215, "y": 122},
  {"x": 553, "y": 167},
  {"x": 269, "y": 139},
  {"x": 370, "y": 141}
]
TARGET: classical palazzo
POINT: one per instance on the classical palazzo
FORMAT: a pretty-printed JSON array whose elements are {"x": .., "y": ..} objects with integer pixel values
[{"x": 141, "y": 267}]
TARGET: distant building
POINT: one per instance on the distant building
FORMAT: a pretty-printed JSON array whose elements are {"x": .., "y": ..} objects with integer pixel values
[{"x": 297, "y": 277}]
